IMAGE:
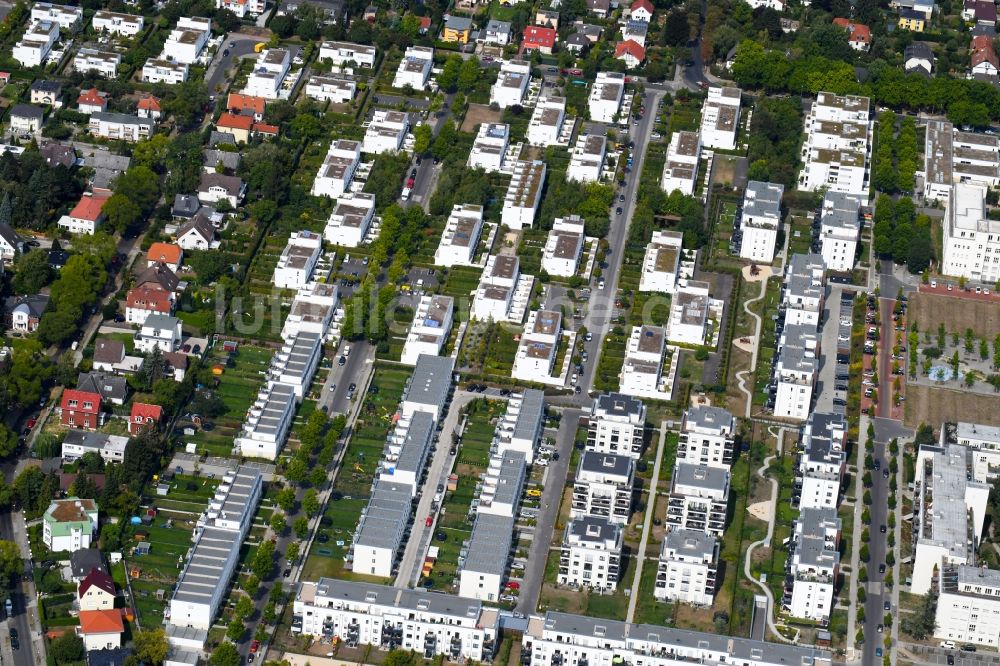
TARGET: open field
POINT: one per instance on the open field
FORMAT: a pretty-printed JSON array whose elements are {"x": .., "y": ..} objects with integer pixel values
[
  {"x": 957, "y": 314},
  {"x": 927, "y": 404}
]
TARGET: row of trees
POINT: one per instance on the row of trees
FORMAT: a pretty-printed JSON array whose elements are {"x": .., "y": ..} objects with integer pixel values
[
  {"x": 901, "y": 235},
  {"x": 774, "y": 140},
  {"x": 895, "y": 159}
]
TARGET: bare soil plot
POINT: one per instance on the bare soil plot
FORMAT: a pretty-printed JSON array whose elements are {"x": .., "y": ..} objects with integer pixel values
[{"x": 478, "y": 114}]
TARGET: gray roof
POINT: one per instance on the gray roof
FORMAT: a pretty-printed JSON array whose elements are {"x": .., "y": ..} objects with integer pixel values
[
  {"x": 710, "y": 417},
  {"x": 435, "y": 603},
  {"x": 27, "y": 111},
  {"x": 619, "y": 404},
  {"x": 230, "y": 160},
  {"x": 216, "y": 138},
  {"x": 763, "y": 199},
  {"x": 185, "y": 205},
  {"x": 272, "y": 414},
  {"x": 815, "y": 521},
  {"x": 701, "y": 476},
  {"x": 56, "y": 153},
  {"x": 606, "y": 463},
  {"x": 416, "y": 444},
  {"x": 920, "y": 50},
  {"x": 231, "y": 184},
  {"x": 122, "y": 119},
  {"x": 498, "y": 26},
  {"x": 47, "y": 86},
  {"x": 530, "y": 415},
  {"x": 458, "y": 22},
  {"x": 431, "y": 381},
  {"x": 109, "y": 387},
  {"x": 200, "y": 224},
  {"x": 593, "y": 528},
  {"x": 8, "y": 234},
  {"x": 303, "y": 349},
  {"x": 510, "y": 478},
  {"x": 814, "y": 552},
  {"x": 88, "y": 440},
  {"x": 690, "y": 543},
  {"x": 840, "y": 210},
  {"x": 818, "y": 438},
  {"x": 386, "y": 516},
  {"x": 84, "y": 560},
  {"x": 159, "y": 274},
  {"x": 37, "y": 304},
  {"x": 107, "y": 350},
  {"x": 489, "y": 545}
]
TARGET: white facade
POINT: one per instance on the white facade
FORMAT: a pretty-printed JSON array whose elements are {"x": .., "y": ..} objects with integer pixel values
[
  {"x": 760, "y": 221},
  {"x": 69, "y": 524},
  {"x": 335, "y": 174},
  {"x": 187, "y": 40},
  {"x": 814, "y": 564},
  {"x": 661, "y": 262},
  {"x": 111, "y": 448},
  {"x": 36, "y": 43},
  {"x": 707, "y": 437},
  {"x": 503, "y": 293},
  {"x": 298, "y": 260},
  {"x": 643, "y": 364},
  {"x": 104, "y": 63},
  {"x": 312, "y": 311},
  {"x": 689, "y": 309},
  {"x": 536, "y": 351},
  {"x": 836, "y": 150},
  {"x": 586, "y": 162},
  {"x": 344, "y": 53},
  {"x": 430, "y": 328},
  {"x": 546, "y": 121},
  {"x": 617, "y": 425},
  {"x": 242, "y": 8},
  {"x": 159, "y": 332},
  {"x": 605, "y": 99},
  {"x": 503, "y": 485},
  {"x": 603, "y": 487},
  {"x": 521, "y": 426},
  {"x": 483, "y": 568},
  {"x": 269, "y": 73},
  {"x": 461, "y": 236},
  {"x": 386, "y": 132},
  {"x": 840, "y": 227},
  {"x": 158, "y": 70},
  {"x": 67, "y": 17},
  {"x": 523, "y": 194},
  {"x": 564, "y": 247},
  {"x": 591, "y": 554},
  {"x": 687, "y": 568},
  {"x": 971, "y": 238},
  {"x": 126, "y": 25},
  {"x": 267, "y": 424},
  {"x": 415, "y": 68},
  {"x": 699, "y": 498},
  {"x": 823, "y": 461},
  {"x": 351, "y": 219},
  {"x": 489, "y": 150},
  {"x": 296, "y": 362},
  {"x": 968, "y": 606},
  {"x": 512, "y": 84},
  {"x": 680, "y": 170},
  {"x": 795, "y": 375},
  {"x": 720, "y": 118},
  {"x": 120, "y": 126},
  {"x": 952, "y": 156},
  {"x": 335, "y": 89}
]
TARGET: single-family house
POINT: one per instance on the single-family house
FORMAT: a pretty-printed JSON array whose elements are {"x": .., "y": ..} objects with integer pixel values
[
  {"x": 143, "y": 416},
  {"x": 167, "y": 254}
]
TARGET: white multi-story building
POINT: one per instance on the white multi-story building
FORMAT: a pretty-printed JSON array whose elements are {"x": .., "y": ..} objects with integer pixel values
[
  {"x": 406, "y": 453},
  {"x": 296, "y": 362},
  {"x": 968, "y": 605},
  {"x": 661, "y": 262},
  {"x": 127, "y": 25},
  {"x": 760, "y": 220},
  {"x": 523, "y": 194},
  {"x": 461, "y": 235},
  {"x": 605, "y": 99},
  {"x": 521, "y": 426},
  {"x": 591, "y": 554},
  {"x": 158, "y": 70},
  {"x": 159, "y": 331},
  {"x": 836, "y": 150},
  {"x": 586, "y": 162},
  {"x": 379, "y": 535},
  {"x": 564, "y": 247},
  {"x": 813, "y": 564},
  {"x": 430, "y": 328},
  {"x": 430, "y": 623},
  {"x": 104, "y": 63},
  {"x": 312, "y": 310},
  {"x": 68, "y": 18},
  {"x": 503, "y": 293},
  {"x": 351, "y": 219},
  {"x": 720, "y": 118},
  {"x": 603, "y": 487},
  {"x": 823, "y": 460},
  {"x": 795, "y": 376},
  {"x": 536, "y": 351},
  {"x": 952, "y": 156},
  {"x": 331, "y": 88},
  {"x": 689, "y": 310},
  {"x": 345, "y": 53},
  {"x": 641, "y": 370},
  {"x": 298, "y": 260},
  {"x": 546, "y": 121},
  {"x": 707, "y": 437},
  {"x": 268, "y": 74},
  {"x": 337, "y": 170},
  {"x": 111, "y": 448},
  {"x": 187, "y": 40},
  {"x": 804, "y": 290},
  {"x": 489, "y": 150},
  {"x": 699, "y": 497},
  {"x": 971, "y": 238},
  {"x": 511, "y": 85},
  {"x": 503, "y": 484},
  {"x": 617, "y": 425},
  {"x": 267, "y": 424},
  {"x": 983, "y": 441},
  {"x": 840, "y": 228},
  {"x": 680, "y": 171},
  {"x": 687, "y": 568},
  {"x": 242, "y": 8},
  {"x": 120, "y": 126},
  {"x": 385, "y": 132},
  {"x": 36, "y": 43},
  {"x": 429, "y": 388},
  {"x": 415, "y": 68},
  {"x": 484, "y": 567}
]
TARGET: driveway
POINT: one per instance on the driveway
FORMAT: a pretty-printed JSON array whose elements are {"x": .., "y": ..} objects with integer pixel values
[{"x": 216, "y": 76}]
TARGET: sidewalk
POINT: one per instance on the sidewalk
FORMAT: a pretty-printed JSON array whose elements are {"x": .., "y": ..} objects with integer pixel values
[{"x": 647, "y": 525}]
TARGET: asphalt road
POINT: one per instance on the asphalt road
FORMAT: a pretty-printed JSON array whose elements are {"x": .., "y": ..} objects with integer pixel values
[
  {"x": 216, "y": 79},
  {"x": 877, "y": 595},
  {"x": 20, "y": 596},
  {"x": 339, "y": 379}
]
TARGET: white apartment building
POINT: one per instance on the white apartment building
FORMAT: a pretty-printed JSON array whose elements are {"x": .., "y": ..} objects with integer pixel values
[
  {"x": 795, "y": 377},
  {"x": 546, "y": 121},
  {"x": 111, "y": 448},
  {"x": 159, "y": 331},
  {"x": 680, "y": 171},
  {"x": 379, "y": 535},
  {"x": 804, "y": 289},
  {"x": 415, "y": 68},
  {"x": 335, "y": 174},
  {"x": 720, "y": 118},
  {"x": 385, "y": 132},
  {"x": 707, "y": 437},
  {"x": 429, "y": 388},
  {"x": 836, "y": 150},
  {"x": 576, "y": 640},
  {"x": 952, "y": 156},
  {"x": 407, "y": 451},
  {"x": 586, "y": 162},
  {"x": 120, "y": 126},
  {"x": 296, "y": 362},
  {"x": 536, "y": 351},
  {"x": 312, "y": 311},
  {"x": 269, "y": 74},
  {"x": 606, "y": 95},
  {"x": 430, "y": 328},
  {"x": 813, "y": 564},
  {"x": 267, "y": 424},
  {"x": 384, "y": 616},
  {"x": 158, "y": 70},
  {"x": 641, "y": 370},
  {"x": 242, "y": 8},
  {"x": 503, "y": 293},
  {"x": 661, "y": 262},
  {"x": 840, "y": 228},
  {"x": 971, "y": 238},
  {"x": 950, "y": 505},
  {"x": 351, "y": 219},
  {"x": 489, "y": 150},
  {"x": 484, "y": 567},
  {"x": 564, "y": 247},
  {"x": 689, "y": 309},
  {"x": 687, "y": 569},
  {"x": 68, "y": 17},
  {"x": 603, "y": 487},
  {"x": 461, "y": 235},
  {"x": 591, "y": 554},
  {"x": 823, "y": 460},
  {"x": 345, "y": 53},
  {"x": 331, "y": 88},
  {"x": 187, "y": 40},
  {"x": 511, "y": 85},
  {"x": 617, "y": 425},
  {"x": 298, "y": 260},
  {"x": 104, "y": 63},
  {"x": 523, "y": 194},
  {"x": 521, "y": 426},
  {"x": 36, "y": 43},
  {"x": 115, "y": 23},
  {"x": 699, "y": 497},
  {"x": 503, "y": 484},
  {"x": 968, "y": 605},
  {"x": 760, "y": 220},
  {"x": 983, "y": 441}
]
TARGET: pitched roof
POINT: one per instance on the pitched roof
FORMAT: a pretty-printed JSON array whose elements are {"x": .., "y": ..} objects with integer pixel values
[
  {"x": 93, "y": 97},
  {"x": 631, "y": 47},
  {"x": 980, "y": 56},
  {"x": 107, "y": 350},
  {"x": 859, "y": 32},
  {"x": 89, "y": 207},
  {"x": 101, "y": 622},
  {"x": 8, "y": 234},
  {"x": 200, "y": 225},
  {"x": 81, "y": 397},
  {"x": 145, "y": 411},
  {"x": 86, "y": 559},
  {"x": 99, "y": 579},
  {"x": 264, "y": 128},
  {"x": 158, "y": 274},
  {"x": 57, "y": 153},
  {"x": 535, "y": 35},
  {"x": 235, "y": 121},
  {"x": 238, "y": 102},
  {"x": 165, "y": 252},
  {"x": 150, "y": 296},
  {"x": 231, "y": 184},
  {"x": 109, "y": 387},
  {"x": 27, "y": 111},
  {"x": 149, "y": 103},
  {"x": 641, "y": 4}
]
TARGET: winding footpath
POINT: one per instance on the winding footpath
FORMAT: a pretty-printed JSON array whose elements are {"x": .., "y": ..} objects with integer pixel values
[{"x": 754, "y": 346}]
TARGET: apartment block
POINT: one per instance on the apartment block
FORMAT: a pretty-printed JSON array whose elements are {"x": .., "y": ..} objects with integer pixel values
[
  {"x": 720, "y": 118},
  {"x": 603, "y": 487},
  {"x": 822, "y": 461},
  {"x": 521, "y": 427},
  {"x": 591, "y": 554},
  {"x": 523, "y": 194},
  {"x": 813, "y": 565},
  {"x": 35, "y": 45},
  {"x": 489, "y": 150},
  {"x": 641, "y": 374},
  {"x": 298, "y": 260},
  {"x": 699, "y": 497},
  {"x": 971, "y": 238},
  {"x": 430, "y": 328},
  {"x": 837, "y": 147},
  {"x": 187, "y": 40},
  {"x": 67, "y": 17},
  {"x": 296, "y": 362},
  {"x": 269, "y": 73},
  {"x": 503, "y": 293},
  {"x": 345, "y": 53},
  {"x": 104, "y": 63},
  {"x": 332, "y": 88},
  {"x": 680, "y": 170},
  {"x": 351, "y": 219},
  {"x": 536, "y": 351},
  {"x": 840, "y": 229},
  {"x": 707, "y": 437},
  {"x": 760, "y": 220},
  {"x": 968, "y": 605},
  {"x": 338, "y": 168},
  {"x": 415, "y": 68},
  {"x": 689, "y": 310},
  {"x": 267, "y": 423},
  {"x": 502, "y": 486},
  {"x": 564, "y": 247},
  {"x": 661, "y": 263},
  {"x": 687, "y": 568},
  {"x": 429, "y": 387},
  {"x": 385, "y": 132},
  {"x": 546, "y": 121},
  {"x": 483, "y": 568},
  {"x": 606, "y": 95},
  {"x": 511, "y": 85},
  {"x": 242, "y": 8},
  {"x": 406, "y": 453},
  {"x": 312, "y": 311},
  {"x": 159, "y": 70},
  {"x": 586, "y": 161},
  {"x": 617, "y": 425},
  {"x": 461, "y": 236},
  {"x": 952, "y": 156},
  {"x": 115, "y": 23},
  {"x": 804, "y": 290}
]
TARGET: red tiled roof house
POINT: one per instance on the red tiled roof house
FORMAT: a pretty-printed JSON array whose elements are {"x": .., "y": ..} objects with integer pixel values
[
  {"x": 81, "y": 409},
  {"x": 143, "y": 416},
  {"x": 539, "y": 38}
]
